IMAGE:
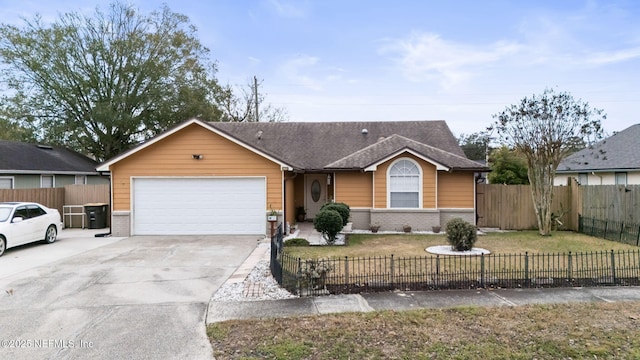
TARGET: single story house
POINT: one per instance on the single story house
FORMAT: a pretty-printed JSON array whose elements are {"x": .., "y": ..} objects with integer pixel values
[
  {"x": 612, "y": 161},
  {"x": 29, "y": 166},
  {"x": 225, "y": 178}
]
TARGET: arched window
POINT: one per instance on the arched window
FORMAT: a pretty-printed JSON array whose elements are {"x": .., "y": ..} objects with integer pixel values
[{"x": 404, "y": 179}]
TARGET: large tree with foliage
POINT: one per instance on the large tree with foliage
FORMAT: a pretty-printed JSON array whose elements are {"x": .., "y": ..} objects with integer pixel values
[
  {"x": 507, "y": 167},
  {"x": 544, "y": 129},
  {"x": 476, "y": 145},
  {"x": 102, "y": 83}
]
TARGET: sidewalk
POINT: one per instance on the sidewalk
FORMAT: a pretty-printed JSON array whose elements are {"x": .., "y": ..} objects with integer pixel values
[{"x": 223, "y": 311}]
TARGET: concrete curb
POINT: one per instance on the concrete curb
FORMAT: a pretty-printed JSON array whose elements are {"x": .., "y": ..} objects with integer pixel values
[{"x": 410, "y": 300}]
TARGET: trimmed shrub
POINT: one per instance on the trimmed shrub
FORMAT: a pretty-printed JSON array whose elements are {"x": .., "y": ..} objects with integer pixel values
[
  {"x": 342, "y": 209},
  {"x": 329, "y": 223},
  {"x": 461, "y": 235},
  {"x": 296, "y": 242}
]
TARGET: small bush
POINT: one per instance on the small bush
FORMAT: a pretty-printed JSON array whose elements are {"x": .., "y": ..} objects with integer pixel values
[
  {"x": 329, "y": 223},
  {"x": 314, "y": 271},
  {"x": 296, "y": 242},
  {"x": 342, "y": 209},
  {"x": 461, "y": 235}
]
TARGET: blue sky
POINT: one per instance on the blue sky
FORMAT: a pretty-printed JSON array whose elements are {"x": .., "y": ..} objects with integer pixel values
[{"x": 459, "y": 61}]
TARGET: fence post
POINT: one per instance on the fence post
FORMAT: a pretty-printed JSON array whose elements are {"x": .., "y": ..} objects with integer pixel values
[
  {"x": 638, "y": 237},
  {"x": 570, "y": 267},
  {"x": 621, "y": 231},
  {"x": 346, "y": 270},
  {"x": 580, "y": 224},
  {"x": 482, "y": 271},
  {"x": 392, "y": 273},
  {"x": 437, "y": 264},
  {"x": 299, "y": 277},
  {"x": 526, "y": 267},
  {"x": 613, "y": 266}
]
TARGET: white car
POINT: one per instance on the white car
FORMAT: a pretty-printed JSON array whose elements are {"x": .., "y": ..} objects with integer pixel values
[{"x": 23, "y": 222}]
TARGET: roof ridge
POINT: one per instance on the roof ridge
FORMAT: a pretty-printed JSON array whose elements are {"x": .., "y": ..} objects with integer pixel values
[{"x": 393, "y": 137}]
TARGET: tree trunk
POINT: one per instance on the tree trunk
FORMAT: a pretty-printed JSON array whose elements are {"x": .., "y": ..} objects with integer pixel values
[{"x": 542, "y": 195}]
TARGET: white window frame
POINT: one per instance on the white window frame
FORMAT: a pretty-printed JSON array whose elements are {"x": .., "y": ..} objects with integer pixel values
[
  {"x": 581, "y": 177},
  {"x": 420, "y": 184},
  {"x": 13, "y": 181},
  {"x": 83, "y": 180},
  {"x": 42, "y": 183},
  {"x": 621, "y": 182}
]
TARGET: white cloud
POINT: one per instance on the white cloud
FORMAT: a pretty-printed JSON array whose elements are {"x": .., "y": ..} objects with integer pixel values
[
  {"x": 254, "y": 61},
  {"x": 298, "y": 70},
  {"x": 287, "y": 9},
  {"x": 606, "y": 58},
  {"x": 309, "y": 72},
  {"x": 426, "y": 56}
]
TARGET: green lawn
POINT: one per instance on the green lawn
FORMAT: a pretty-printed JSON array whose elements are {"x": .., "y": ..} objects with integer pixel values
[{"x": 408, "y": 245}]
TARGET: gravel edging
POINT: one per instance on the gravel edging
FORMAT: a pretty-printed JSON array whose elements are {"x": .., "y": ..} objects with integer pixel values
[{"x": 261, "y": 273}]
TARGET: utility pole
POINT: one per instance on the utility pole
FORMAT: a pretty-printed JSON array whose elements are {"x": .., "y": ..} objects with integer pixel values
[{"x": 255, "y": 94}]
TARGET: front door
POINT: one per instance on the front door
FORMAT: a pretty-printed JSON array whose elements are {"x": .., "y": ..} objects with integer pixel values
[{"x": 315, "y": 193}]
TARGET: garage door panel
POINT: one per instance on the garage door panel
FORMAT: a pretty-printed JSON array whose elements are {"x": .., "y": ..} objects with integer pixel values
[{"x": 199, "y": 206}]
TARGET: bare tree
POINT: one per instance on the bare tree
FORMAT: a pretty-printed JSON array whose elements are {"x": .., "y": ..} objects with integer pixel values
[
  {"x": 544, "y": 129},
  {"x": 239, "y": 105}
]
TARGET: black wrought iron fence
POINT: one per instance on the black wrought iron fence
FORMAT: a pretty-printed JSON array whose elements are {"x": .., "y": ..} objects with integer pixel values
[
  {"x": 276, "y": 250},
  {"x": 375, "y": 274},
  {"x": 624, "y": 232}
]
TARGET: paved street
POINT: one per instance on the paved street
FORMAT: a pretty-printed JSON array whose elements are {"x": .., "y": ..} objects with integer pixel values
[{"x": 109, "y": 298}]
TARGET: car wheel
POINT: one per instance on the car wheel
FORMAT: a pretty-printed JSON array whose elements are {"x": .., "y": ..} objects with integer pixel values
[
  {"x": 3, "y": 245},
  {"x": 51, "y": 234}
]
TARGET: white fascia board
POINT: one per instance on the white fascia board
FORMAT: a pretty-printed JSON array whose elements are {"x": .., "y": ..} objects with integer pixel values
[
  {"x": 105, "y": 166},
  {"x": 374, "y": 166}
]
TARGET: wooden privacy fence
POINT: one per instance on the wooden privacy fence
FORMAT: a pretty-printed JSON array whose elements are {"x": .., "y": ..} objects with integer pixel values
[
  {"x": 58, "y": 198},
  {"x": 612, "y": 202},
  {"x": 50, "y": 197},
  {"x": 510, "y": 207}
]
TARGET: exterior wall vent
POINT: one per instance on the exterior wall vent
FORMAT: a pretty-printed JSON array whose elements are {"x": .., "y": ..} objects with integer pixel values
[{"x": 365, "y": 131}]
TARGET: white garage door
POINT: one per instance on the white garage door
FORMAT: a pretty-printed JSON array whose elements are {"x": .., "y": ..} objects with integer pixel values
[{"x": 199, "y": 206}]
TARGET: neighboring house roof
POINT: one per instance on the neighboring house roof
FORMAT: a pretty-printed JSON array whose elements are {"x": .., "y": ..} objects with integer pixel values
[
  {"x": 25, "y": 158},
  {"x": 617, "y": 152},
  {"x": 316, "y": 146}
]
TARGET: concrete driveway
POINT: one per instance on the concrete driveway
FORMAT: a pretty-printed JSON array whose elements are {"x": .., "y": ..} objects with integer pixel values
[{"x": 110, "y": 298}]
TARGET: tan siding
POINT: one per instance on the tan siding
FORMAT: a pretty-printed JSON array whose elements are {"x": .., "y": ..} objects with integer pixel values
[
  {"x": 290, "y": 201},
  {"x": 380, "y": 186},
  {"x": 172, "y": 156},
  {"x": 299, "y": 190},
  {"x": 354, "y": 188},
  {"x": 455, "y": 190},
  {"x": 428, "y": 182}
]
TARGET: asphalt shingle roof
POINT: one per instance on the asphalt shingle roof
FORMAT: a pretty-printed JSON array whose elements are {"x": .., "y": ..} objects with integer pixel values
[
  {"x": 395, "y": 143},
  {"x": 617, "y": 152},
  {"x": 316, "y": 145},
  {"x": 18, "y": 157}
]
